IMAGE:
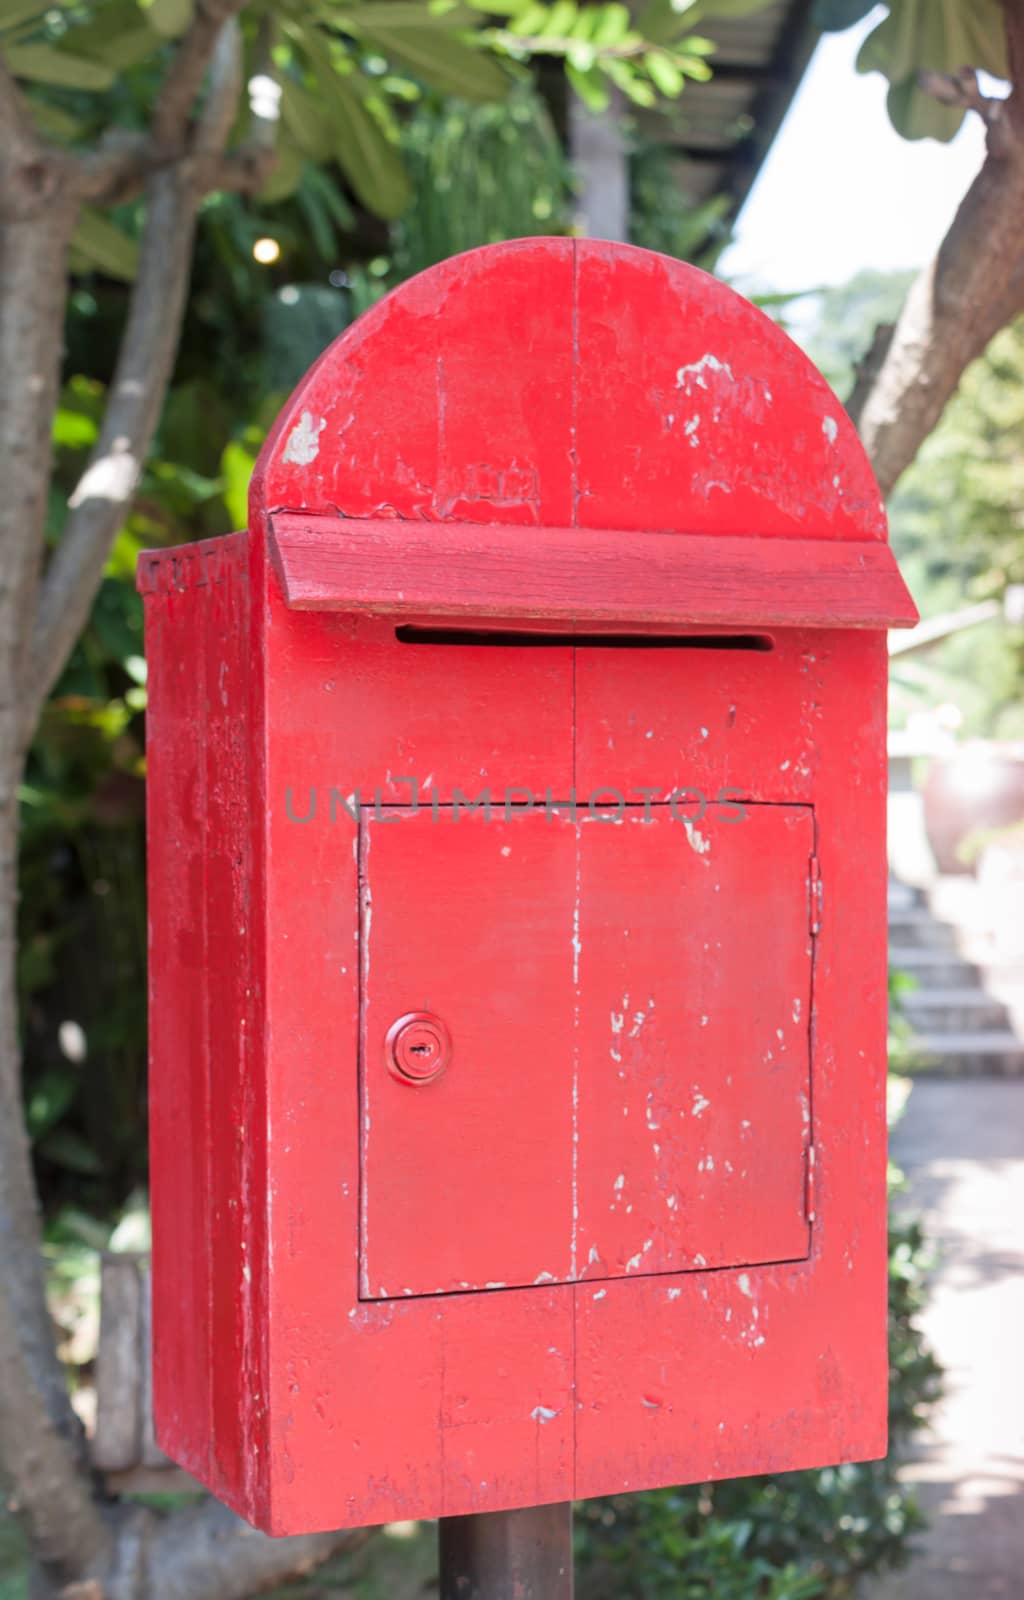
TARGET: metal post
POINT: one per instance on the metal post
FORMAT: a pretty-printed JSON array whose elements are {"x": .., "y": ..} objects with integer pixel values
[{"x": 508, "y": 1555}]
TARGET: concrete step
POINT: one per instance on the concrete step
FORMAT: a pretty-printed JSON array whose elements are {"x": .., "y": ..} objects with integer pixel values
[
  {"x": 917, "y": 926},
  {"x": 931, "y": 967},
  {"x": 942, "y": 1009},
  {"x": 971, "y": 1054},
  {"x": 903, "y": 896}
]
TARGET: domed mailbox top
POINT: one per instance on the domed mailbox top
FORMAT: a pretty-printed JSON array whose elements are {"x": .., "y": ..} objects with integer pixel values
[{"x": 510, "y": 434}]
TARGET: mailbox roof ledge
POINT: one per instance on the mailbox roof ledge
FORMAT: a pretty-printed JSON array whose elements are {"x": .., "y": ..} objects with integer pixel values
[{"x": 592, "y": 576}]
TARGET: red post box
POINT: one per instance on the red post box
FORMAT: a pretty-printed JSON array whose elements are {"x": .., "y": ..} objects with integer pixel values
[{"x": 517, "y": 909}]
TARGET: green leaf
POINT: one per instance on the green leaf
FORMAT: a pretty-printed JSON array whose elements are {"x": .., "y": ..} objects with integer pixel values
[
  {"x": 731, "y": 8},
  {"x": 65, "y": 1148},
  {"x": 128, "y": 49},
  {"x": 52, "y": 121},
  {"x": 104, "y": 246},
  {"x": 286, "y": 174},
  {"x": 169, "y": 18},
  {"x": 832, "y": 16},
  {"x": 632, "y": 86},
  {"x": 661, "y": 21},
  {"x": 236, "y": 469},
  {"x": 50, "y": 1097},
  {"x": 40, "y": 63},
  {"x": 694, "y": 67},
  {"x": 371, "y": 163},
  {"x": 589, "y": 87},
  {"x": 561, "y": 20},
  {"x": 612, "y": 25},
  {"x": 401, "y": 14},
  {"x": 14, "y": 12},
  {"x": 306, "y": 120},
  {"x": 917, "y": 115},
  {"x": 439, "y": 59},
  {"x": 528, "y": 19},
  {"x": 360, "y": 146},
  {"x": 664, "y": 73}
]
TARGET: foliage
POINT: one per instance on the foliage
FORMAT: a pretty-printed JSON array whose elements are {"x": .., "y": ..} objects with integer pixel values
[
  {"x": 335, "y": 78},
  {"x": 921, "y": 36},
  {"x": 956, "y": 516},
  {"x": 792, "y": 1536},
  {"x": 958, "y": 524},
  {"x": 841, "y": 319},
  {"x": 962, "y": 497},
  {"x": 659, "y": 221},
  {"x": 480, "y": 174}
]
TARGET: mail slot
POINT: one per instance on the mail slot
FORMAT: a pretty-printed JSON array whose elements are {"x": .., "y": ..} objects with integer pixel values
[{"x": 517, "y": 912}]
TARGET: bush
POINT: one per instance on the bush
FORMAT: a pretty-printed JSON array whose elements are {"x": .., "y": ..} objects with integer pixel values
[{"x": 792, "y": 1536}]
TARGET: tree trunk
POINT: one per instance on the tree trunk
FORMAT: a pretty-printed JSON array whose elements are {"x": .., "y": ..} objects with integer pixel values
[
  {"x": 958, "y": 303},
  {"x": 41, "y": 1446}
]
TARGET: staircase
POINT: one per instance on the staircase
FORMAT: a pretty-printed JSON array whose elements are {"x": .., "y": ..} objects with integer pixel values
[{"x": 966, "y": 1010}]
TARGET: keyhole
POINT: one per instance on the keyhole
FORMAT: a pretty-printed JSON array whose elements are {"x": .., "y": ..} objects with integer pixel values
[{"x": 417, "y": 1048}]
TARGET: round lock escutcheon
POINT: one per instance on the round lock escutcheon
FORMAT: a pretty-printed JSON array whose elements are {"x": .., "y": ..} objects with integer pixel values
[{"x": 418, "y": 1047}]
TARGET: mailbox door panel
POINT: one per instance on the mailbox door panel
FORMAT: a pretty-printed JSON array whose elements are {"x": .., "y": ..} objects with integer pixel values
[
  {"x": 693, "y": 1043},
  {"x": 628, "y": 1089}
]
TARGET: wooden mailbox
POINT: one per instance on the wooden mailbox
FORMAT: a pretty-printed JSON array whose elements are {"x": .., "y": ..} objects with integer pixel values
[{"x": 517, "y": 904}]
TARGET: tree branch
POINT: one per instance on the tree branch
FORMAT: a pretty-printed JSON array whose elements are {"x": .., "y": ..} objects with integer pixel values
[
  {"x": 104, "y": 492},
  {"x": 15, "y": 121},
  {"x": 973, "y": 287},
  {"x": 207, "y": 1553},
  {"x": 31, "y": 170},
  {"x": 169, "y": 124}
]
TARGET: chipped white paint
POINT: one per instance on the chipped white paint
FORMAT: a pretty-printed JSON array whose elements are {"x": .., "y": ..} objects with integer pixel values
[
  {"x": 673, "y": 1294},
  {"x": 830, "y": 428},
  {"x": 743, "y": 1283},
  {"x": 698, "y": 841},
  {"x": 544, "y": 1277},
  {"x": 690, "y": 430},
  {"x": 506, "y": 849},
  {"x": 303, "y": 444},
  {"x": 543, "y": 1414},
  {"x": 697, "y": 370},
  {"x": 700, "y": 1103},
  {"x": 620, "y": 1181},
  {"x": 600, "y": 1294},
  {"x": 796, "y": 1009}
]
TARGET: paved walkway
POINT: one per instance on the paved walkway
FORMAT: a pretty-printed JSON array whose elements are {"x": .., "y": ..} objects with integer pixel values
[{"x": 961, "y": 1144}]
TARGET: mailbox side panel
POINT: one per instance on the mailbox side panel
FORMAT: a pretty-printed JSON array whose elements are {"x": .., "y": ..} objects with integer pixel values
[{"x": 205, "y": 1097}]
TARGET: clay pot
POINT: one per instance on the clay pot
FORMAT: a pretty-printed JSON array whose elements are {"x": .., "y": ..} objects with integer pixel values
[{"x": 976, "y": 789}]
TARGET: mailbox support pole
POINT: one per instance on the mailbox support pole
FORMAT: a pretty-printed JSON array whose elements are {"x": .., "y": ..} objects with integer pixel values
[{"x": 508, "y": 1555}]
